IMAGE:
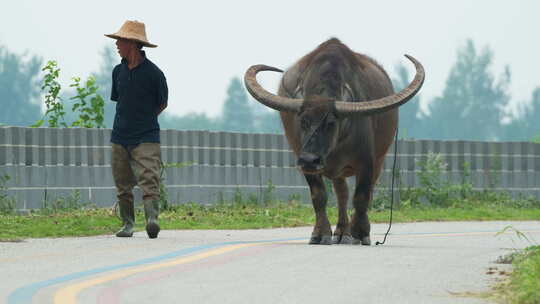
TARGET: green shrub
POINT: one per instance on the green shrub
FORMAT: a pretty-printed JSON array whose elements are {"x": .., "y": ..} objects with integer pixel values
[
  {"x": 7, "y": 203},
  {"x": 164, "y": 203},
  {"x": 67, "y": 203},
  {"x": 437, "y": 190}
]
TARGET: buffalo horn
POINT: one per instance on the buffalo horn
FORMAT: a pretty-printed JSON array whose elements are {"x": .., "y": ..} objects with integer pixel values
[
  {"x": 268, "y": 99},
  {"x": 388, "y": 102}
]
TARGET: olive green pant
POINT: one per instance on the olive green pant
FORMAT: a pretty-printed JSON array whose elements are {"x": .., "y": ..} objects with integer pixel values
[{"x": 136, "y": 165}]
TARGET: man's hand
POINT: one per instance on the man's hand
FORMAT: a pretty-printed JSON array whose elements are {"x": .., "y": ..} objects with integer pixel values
[{"x": 161, "y": 108}]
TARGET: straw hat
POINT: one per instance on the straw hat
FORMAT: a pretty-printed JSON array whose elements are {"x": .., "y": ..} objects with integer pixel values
[{"x": 132, "y": 30}]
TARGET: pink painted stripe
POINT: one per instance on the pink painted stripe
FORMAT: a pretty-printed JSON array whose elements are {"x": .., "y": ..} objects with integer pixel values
[{"x": 113, "y": 294}]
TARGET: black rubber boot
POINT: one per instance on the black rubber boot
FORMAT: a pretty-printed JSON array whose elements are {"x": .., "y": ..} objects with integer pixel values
[
  {"x": 151, "y": 211},
  {"x": 127, "y": 213}
]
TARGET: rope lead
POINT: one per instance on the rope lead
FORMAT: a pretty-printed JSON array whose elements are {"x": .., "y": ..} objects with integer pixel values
[{"x": 392, "y": 190}]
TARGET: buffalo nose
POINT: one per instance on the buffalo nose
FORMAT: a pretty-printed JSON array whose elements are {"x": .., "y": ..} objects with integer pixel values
[{"x": 309, "y": 159}]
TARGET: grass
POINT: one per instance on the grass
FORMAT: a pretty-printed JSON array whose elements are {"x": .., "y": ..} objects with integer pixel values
[
  {"x": 525, "y": 279},
  {"x": 61, "y": 224},
  {"x": 522, "y": 286},
  {"x": 92, "y": 221}
]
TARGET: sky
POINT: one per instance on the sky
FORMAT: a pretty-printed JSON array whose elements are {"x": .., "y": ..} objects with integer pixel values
[{"x": 203, "y": 44}]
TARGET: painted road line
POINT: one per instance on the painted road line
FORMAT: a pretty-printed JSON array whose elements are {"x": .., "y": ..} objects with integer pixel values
[
  {"x": 68, "y": 294},
  {"x": 24, "y": 294},
  {"x": 112, "y": 293}
]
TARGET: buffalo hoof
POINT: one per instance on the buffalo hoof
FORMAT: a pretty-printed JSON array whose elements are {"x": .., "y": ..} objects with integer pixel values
[
  {"x": 342, "y": 239},
  {"x": 366, "y": 241},
  {"x": 321, "y": 240},
  {"x": 346, "y": 239}
]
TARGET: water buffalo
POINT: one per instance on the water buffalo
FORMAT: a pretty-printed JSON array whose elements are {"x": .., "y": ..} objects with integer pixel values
[{"x": 340, "y": 114}]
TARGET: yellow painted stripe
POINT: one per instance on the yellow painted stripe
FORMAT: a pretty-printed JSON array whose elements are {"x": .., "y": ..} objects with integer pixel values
[{"x": 68, "y": 294}]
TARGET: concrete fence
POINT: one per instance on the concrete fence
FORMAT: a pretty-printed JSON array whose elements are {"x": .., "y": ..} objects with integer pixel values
[{"x": 47, "y": 163}]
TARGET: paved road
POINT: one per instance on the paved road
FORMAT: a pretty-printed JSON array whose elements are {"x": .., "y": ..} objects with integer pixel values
[{"x": 421, "y": 263}]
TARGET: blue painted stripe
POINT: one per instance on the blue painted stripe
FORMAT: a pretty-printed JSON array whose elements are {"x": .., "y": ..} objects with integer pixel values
[{"x": 25, "y": 294}]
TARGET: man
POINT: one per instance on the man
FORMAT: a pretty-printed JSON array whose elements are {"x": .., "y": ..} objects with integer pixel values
[{"x": 140, "y": 89}]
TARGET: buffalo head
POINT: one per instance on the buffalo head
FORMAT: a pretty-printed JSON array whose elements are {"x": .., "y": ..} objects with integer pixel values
[
  {"x": 327, "y": 78},
  {"x": 319, "y": 131}
]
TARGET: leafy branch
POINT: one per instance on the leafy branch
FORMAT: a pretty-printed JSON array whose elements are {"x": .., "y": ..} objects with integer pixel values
[
  {"x": 55, "y": 108},
  {"x": 91, "y": 112},
  {"x": 88, "y": 102}
]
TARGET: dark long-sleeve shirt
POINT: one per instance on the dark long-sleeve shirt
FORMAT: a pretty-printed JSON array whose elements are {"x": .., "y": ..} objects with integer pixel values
[{"x": 139, "y": 94}]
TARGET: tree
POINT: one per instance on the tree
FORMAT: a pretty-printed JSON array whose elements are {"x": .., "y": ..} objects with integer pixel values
[
  {"x": 532, "y": 117},
  {"x": 267, "y": 121},
  {"x": 410, "y": 116},
  {"x": 19, "y": 88},
  {"x": 237, "y": 114},
  {"x": 515, "y": 130},
  {"x": 527, "y": 125},
  {"x": 471, "y": 106},
  {"x": 190, "y": 121}
]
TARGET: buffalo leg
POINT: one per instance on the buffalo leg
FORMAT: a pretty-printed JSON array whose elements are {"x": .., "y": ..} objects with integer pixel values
[
  {"x": 322, "y": 233},
  {"x": 361, "y": 200},
  {"x": 342, "y": 233}
]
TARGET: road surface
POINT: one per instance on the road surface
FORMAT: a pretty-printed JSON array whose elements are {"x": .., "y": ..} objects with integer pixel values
[{"x": 420, "y": 263}]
